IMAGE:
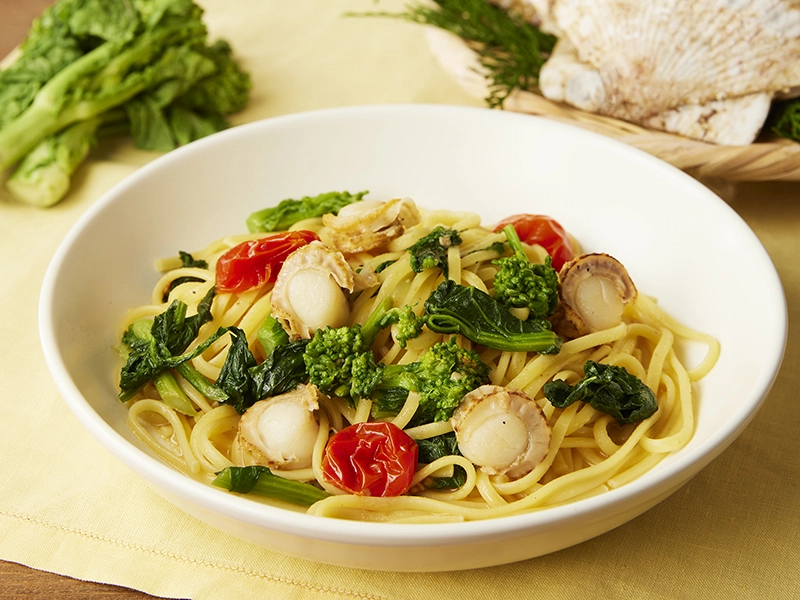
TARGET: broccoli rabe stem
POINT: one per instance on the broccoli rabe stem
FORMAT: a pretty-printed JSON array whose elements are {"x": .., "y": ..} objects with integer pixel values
[
  {"x": 261, "y": 481},
  {"x": 43, "y": 117},
  {"x": 172, "y": 394},
  {"x": 198, "y": 381},
  {"x": 43, "y": 176},
  {"x": 101, "y": 80},
  {"x": 164, "y": 382}
]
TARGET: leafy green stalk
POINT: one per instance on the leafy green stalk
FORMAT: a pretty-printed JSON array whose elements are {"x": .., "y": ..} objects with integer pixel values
[
  {"x": 100, "y": 80},
  {"x": 339, "y": 360},
  {"x": 187, "y": 261},
  {"x": 199, "y": 382},
  {"x": 261, "y": 481},
  {"x": 271, "y": 334},
  {"x": 431, "y": 449},
  {"x": 431, "y": 250},
  {"x": 521, "y": 283},
  {"x": 511, "y": 50},
  {"x": 21, "y": 81},
  {"x": 290, "y": 211},
  {"x": 281, "y": 372},
  {"x": 172, "y": 394},
  {"x": 609, "y": 389},
  {"x": 442, "y": 377},
  {"x": 43, "y": 177},
  {"x": 179, "y": 111},
  {"x": 454, "y": 308},
  {"x": 157, "y": 345}
]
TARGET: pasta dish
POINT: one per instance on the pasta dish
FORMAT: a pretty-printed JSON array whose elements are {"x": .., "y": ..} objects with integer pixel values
[{"x": 383, "y": 361}]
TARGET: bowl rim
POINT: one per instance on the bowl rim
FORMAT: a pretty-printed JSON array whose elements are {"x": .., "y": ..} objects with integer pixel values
[{"x": 252, "y": 512}]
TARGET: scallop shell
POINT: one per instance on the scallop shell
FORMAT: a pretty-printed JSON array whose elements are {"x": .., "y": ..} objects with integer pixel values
[{"x": 693, "y": 68}]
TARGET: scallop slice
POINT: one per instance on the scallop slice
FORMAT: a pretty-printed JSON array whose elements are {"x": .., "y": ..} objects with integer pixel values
[
  {"x": 594, "y": 289},
  {"x": 501, "y": 431},
  {"x": 280, "y": 432},
  {"x": 370, "y": 224},
  {"x": 311, "y": 291}
]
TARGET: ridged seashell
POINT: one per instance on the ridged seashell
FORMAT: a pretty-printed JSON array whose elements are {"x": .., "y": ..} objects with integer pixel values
[
  {"x": 594, "y": 289},
  {"x": 706, "y": 69}
]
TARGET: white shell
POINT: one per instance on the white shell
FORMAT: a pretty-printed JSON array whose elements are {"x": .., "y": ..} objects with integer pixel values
[
  {"x": 538, "y": 12},
  {"x": 676, "y": 65}
]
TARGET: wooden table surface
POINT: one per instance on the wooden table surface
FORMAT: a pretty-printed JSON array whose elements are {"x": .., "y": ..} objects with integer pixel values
[{"x": 18, "y": 581}]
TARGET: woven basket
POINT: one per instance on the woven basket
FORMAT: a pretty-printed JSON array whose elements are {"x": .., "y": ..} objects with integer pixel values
[{"x": 771, "y": 160}]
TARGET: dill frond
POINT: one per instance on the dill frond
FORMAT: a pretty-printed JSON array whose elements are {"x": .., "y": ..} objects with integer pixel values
[
  {"x": 510, "y": 49},
  {"x": 784, "y": 119}
]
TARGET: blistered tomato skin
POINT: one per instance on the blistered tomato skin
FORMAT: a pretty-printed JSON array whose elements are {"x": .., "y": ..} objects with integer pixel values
[
  {"x": 255, "y": 263},
  {"x": 371, "y": 459},
  {"x": 545, "y": 231}
]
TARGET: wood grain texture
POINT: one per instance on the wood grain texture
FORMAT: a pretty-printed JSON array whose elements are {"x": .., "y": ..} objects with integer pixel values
[{"x": 18, "y": 582}]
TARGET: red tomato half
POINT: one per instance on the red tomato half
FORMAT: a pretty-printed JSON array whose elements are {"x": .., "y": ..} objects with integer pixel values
[
  {"x": 255, "y": 263},
  {"x": 545, "y": 231},
  {"x": 371, "y": 459}
]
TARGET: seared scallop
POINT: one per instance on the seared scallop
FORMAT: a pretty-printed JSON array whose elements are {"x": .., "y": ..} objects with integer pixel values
[
  {"x": 280, "y": 432},
  {"x": 312, "y": 290},
  {"x": 370, "y": 224},
  {"x": 501, "y": 431},
  {"x": 594, "y": 291}
]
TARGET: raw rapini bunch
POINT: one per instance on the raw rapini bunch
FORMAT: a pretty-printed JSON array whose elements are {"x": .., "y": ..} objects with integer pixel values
[{"x": 90, "y": 68}]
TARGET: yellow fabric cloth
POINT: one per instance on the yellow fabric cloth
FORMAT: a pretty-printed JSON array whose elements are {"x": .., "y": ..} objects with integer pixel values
[{"x": 68, "y": 506}]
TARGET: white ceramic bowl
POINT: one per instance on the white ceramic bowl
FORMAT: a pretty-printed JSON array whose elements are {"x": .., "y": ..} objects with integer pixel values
[{"x": 680, "y": 243}]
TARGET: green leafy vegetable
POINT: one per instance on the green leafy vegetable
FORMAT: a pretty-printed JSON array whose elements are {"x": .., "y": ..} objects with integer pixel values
[
  {"x": 43, "y": 177},
  {"x": 155, "y": 347},
  {"x": 143, "y": 66},
  {"x": 521, "y": 283},
  {"x": 609, "y": 389},
  {"x": 330, "y": 358},
  {"x": 290, "y": 211},
  {"x": 434, "y": 448},
  {"x": 409, "y": 325},
  {"x": 261, "y": 481},
  {"x": 245, "y": 382},
  {"x": 187, "y": 261},
  {"x": 234, "y": 377},
  {"x": 431, "y": 250},
  {"x": 431, "y": 449},
  {"x": 510, "y": 49},
  {"x": 271, "y": 334},
  {"x": 442, "y": 377},
  {"x": 281, "y": 372},
  {"x": 454, "y": 308},
  {"x": 785, "y": 119}
]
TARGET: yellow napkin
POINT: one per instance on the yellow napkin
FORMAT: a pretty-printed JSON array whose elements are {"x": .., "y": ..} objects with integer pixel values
[{"x": 68, "y": 506}]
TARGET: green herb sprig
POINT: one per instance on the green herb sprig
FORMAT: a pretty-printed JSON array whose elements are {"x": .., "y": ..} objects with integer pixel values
[
  {"x": 785, "y": 119},
  {"x": 510, "y": 49}
]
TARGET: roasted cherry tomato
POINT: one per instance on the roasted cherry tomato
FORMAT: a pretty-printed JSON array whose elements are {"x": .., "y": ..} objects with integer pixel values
[
  {"x": 254, "y": 263},
  {"x": 545, "y": 231},
  {"x": 371, "y": 459}
]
